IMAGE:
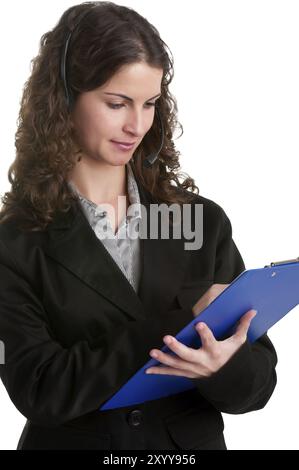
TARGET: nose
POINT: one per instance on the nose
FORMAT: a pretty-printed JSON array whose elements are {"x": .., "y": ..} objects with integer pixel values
[{"x": 136, "y": 123}]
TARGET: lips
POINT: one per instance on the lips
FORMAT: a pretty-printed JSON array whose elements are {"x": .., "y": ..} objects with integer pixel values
[
  {"x": 123, "y": 143},
  {"x": 123, "y": 147}
]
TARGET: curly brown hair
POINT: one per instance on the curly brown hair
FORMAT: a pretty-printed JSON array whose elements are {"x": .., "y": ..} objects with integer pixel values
[{"x": 109, "y": 37}]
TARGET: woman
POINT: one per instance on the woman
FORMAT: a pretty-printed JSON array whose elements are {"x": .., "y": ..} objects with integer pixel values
[{"x": 84, "y": 301}]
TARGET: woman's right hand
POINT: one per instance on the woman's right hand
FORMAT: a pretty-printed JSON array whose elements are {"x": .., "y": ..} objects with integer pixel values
[{"x": 208, "y": 297}]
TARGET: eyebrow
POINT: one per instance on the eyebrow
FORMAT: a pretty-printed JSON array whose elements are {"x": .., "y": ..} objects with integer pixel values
[{"x": 128, "y": 98}]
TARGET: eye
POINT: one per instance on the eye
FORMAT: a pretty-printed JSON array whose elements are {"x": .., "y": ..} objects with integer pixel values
[
  {"x": 114, "y": 106},
  {"x": 119, "y": 105}
]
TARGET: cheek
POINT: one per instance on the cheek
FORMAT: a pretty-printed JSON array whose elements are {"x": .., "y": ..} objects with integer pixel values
[{"x": 91, "y": 123}]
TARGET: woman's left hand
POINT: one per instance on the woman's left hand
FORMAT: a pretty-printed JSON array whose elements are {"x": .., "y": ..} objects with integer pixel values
[{"x": 202, "y": 362}]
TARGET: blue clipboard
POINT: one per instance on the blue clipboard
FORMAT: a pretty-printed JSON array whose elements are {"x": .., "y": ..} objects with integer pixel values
[{"x": 273, "y": 291}]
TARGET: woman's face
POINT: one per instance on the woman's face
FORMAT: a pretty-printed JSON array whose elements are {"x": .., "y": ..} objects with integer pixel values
[{"x": 100, "y": 116}]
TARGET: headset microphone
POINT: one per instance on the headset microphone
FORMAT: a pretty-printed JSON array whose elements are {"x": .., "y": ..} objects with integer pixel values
[{"x": 152, "y": 157}]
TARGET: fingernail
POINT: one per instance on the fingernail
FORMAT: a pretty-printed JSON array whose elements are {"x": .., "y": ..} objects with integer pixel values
[
  {"x": 168, "y": 339},
  {"x": 154, "y": 354}
]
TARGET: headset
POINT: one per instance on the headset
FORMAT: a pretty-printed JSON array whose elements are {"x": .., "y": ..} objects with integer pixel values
[{"x": 152, "y": 157}]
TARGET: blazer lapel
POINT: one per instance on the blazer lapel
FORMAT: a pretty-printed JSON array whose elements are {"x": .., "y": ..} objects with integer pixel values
[{"x": 73, "y": 244}]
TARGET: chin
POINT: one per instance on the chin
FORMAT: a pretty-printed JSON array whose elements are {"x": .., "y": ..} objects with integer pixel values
[{"x": 119, "y": 160}]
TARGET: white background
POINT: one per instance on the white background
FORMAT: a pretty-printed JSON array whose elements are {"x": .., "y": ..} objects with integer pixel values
[{"x": 236, "y": 84}]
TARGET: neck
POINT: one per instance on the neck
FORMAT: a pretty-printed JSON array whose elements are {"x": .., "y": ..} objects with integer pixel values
[{"x": 99, "y": 182}]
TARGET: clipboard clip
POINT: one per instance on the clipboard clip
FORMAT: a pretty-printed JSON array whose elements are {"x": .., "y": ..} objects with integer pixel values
[{"x": 277, "y": 263}]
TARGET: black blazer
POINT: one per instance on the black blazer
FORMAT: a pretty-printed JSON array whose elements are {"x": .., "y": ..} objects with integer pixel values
[{"x": 75, "y": 330}]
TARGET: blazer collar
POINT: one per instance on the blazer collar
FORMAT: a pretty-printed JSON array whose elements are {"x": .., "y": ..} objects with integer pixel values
[{"x": 73, "y": 244}]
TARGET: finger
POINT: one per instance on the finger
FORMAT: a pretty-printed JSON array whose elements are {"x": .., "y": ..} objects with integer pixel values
[
  {"x": 207, "y": 338},
  {"x": 166, "y": 359},
  {"x": 181, "y": 350},
  {"x": 170, "y": 371},
  {"x": 171, "y": 360},
  {"x": 244, "y": 324}
]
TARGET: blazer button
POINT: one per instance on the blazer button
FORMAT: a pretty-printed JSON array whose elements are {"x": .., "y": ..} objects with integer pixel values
[{"x": 135, "y": 418}]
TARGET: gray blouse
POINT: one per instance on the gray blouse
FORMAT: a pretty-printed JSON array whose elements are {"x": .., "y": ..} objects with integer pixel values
[{"x": 124, "y": 249}]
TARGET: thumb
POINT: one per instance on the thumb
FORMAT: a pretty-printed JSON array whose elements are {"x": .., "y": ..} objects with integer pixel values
[{"x": 244, "y": 324}]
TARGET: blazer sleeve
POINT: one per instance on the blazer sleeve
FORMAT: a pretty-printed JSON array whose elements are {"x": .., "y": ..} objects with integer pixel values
[
  {"x": 50, "y": 384},
  {"x": 246, "y": 382}
]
